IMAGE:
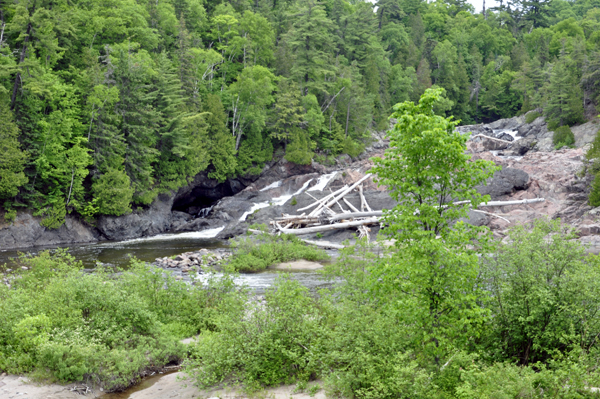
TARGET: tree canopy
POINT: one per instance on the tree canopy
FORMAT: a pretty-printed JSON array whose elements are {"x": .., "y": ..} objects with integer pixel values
[{"x": 159, "y": 91}]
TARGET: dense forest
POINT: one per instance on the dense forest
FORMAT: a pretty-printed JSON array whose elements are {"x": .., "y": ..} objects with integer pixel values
[{"x": 104, "y": 104}]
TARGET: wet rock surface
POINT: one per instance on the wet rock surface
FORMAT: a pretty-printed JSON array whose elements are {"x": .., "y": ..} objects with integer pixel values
[{"x": 194, "y": 261}]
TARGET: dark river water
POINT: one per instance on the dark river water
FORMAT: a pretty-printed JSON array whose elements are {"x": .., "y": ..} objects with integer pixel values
[{"x": 148, "y": 249}]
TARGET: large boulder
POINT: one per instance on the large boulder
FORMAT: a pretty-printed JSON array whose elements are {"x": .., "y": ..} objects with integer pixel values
[{"x": 505, "y": 181}]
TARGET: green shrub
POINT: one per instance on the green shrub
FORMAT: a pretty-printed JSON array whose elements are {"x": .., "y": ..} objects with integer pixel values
[
  {"x": 294, "y": 201},
  {"x": 544, "y": 294},
  {"x": 563, "y": 136},
  {"x": 113, "y": 193},
  {"x": 55, "y": 215},
  {"x": 10, "y": 215},
  {"x": 253, "y": 254},
  {"x": 66, "y": 325},
  {"x": 266, "y": 343},
  {"x": 532, "y": 116}
]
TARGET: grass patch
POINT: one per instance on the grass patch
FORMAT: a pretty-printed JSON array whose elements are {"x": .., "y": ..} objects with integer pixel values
[{"x": 256, "y": 253}]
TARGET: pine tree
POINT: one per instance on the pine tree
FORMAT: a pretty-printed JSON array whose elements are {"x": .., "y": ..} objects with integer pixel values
[
  {"x": 179, "y": 159},
  {"x": 139, "y": 124},
  {"x": 12, "y": 158},
  {"x": 221, "y": 144},
  {"x": 564, "y": 105},
  {"x": 310, "y": 42},
  {"x": 287, "y": 113}
]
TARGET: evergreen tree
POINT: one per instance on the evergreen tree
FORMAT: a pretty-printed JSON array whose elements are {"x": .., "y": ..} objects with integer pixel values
[
  {"x": 221, "y": 144},
  {"x": 563, "y": 105},
  {"x": 139, "y": 123},
  {"x": 12, "y": 158},
  {"x": 310, "y": 42}
]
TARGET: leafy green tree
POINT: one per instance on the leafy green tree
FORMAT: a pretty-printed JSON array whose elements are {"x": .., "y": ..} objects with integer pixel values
[
  {"x": 113, "y": 193},
  {"x": 432, "y": 272},
  {"x": 250, "y": 95},
  {"x": 544, "y": 294}
]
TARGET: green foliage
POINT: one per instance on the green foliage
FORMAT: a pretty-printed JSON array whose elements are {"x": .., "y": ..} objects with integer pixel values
[
  {"x": 532, "y": 116},
  {"x": 10, "y": 215},
  {"x": 113, "y": 193},
  {"x": 163, "y": 91},
  {"x": 294, "y": 201},
  {"x": 68, "y": 325},
  {"x": 253, "y": 254},
  {"x": 266, "y": 343},
  {"x": 563, "y": 136},
  {"x": 594, "y": 198},
  {"x": 544, "y": 294},
  {"x": 12, "y": 159},
  {"x": 54, "y": 215},
  {"x": 434, "y": 259}
]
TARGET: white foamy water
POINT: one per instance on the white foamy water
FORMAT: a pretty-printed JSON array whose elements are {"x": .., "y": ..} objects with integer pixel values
[
  {"x": 275, "y": 201},
  {"x": 322, "y": 182},
  {"x": 208, "y": 233},
  {"x": 512, "y": 133},
  {"x": 272, "y": 185}
]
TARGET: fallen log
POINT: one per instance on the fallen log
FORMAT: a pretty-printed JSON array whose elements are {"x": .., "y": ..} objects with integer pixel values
[
  {"x": 491, "y": 138},
  {"x": 515, "y": 202},
  {"x": 363, "y": 202},
  {"x": 324, "y": 199},
  {"x": 346, "y": 191},
  {"x": 328, "y": 227},
  {"x": 324, "y": 244},
  {"x": 350, "y": 205},
  {"x": 380, "y": 213}
]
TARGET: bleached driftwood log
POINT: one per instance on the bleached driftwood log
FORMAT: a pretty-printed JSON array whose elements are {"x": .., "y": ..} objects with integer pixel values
[
  {"x": 491, "y": 138},
  {"x": 322, "y": 200},
  {"x": 327, "y": 227}
]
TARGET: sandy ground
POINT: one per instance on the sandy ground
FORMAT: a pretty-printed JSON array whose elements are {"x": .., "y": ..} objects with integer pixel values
[
  {"x": 12, "y": 386},
  {"x": 297, "y": 265},
  {"x": 169, "y": 386}
]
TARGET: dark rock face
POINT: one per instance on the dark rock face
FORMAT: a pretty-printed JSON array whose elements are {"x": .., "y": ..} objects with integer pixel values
[
  {"x": 504, "y": 182},
  {"x": 154, "y": 220},
  {"x": 26, "y": 231}
]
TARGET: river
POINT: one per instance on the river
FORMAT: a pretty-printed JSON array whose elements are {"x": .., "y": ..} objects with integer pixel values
[{"x": 119, "y": 253}]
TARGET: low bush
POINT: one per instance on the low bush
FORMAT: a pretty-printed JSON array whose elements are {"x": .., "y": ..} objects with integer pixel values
[
  {"x": 563, "y": 136},
  {"x": 66, "y": 325},
  {"x": 544, "y": 295},
  {"x": 256, "y": 253},
  {"x": 532, "y": 116},
  {"x": 262, "y": 343}
]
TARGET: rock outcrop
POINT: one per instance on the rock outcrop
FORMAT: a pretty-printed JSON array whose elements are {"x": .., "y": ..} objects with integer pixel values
[{"x": 26, "y": 231}]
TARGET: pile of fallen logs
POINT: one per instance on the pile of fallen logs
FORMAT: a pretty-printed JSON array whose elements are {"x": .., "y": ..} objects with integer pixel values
[{"x": 325, "y": 218}]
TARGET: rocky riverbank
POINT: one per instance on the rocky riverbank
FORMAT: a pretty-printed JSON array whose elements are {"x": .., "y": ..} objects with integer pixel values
[{"x": 530, "y": 167}]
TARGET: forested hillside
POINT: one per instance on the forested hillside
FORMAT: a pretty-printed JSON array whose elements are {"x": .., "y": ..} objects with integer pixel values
[{"x": 106, "y": 103}]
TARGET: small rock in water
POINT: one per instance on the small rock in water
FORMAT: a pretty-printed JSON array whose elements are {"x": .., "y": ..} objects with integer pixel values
[{"x": 24, "y": 268}]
